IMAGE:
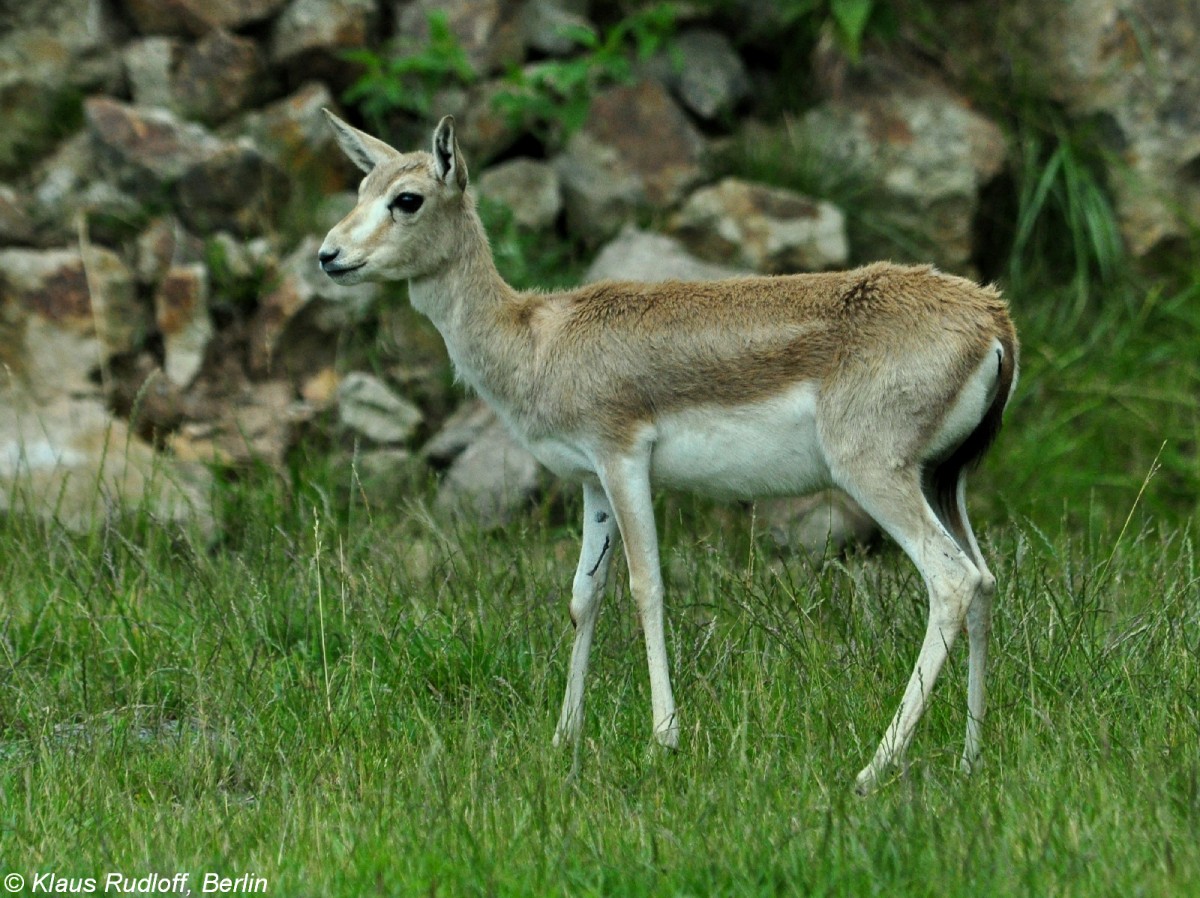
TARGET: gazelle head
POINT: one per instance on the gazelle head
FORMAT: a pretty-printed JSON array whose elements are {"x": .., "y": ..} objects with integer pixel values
[{"x": 409, "y": 205}]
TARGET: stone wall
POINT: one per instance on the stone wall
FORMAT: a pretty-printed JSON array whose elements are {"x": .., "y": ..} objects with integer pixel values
[{"x": 166, "y": 175}]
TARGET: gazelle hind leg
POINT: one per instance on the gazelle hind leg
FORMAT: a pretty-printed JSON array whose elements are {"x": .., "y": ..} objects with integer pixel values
[
  {"x": 979, "y": 630},
  {"x": 599, "y": 545},
  {"x": 895, "y": 499}
]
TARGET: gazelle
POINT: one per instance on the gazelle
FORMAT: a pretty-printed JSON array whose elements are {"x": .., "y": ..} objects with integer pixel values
[{"x": 885, "y": 381}]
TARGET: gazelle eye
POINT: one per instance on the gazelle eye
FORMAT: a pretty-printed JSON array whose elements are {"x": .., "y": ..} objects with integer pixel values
[{"x": 408, "y": 203}]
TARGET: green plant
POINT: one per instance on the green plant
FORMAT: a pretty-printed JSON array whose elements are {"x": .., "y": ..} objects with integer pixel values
[
  {"x": 850, "y": 22},
  {"x": 553, "y": 97},
  {"x": 406, "y": 79},
  {"x": 529, "y": 260},
  {"x": 1065, "y": 222}
]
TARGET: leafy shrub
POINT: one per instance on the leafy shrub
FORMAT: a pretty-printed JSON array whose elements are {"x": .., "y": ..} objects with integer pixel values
[
  {"x": 406, "y": 79},
  {"x": 553, "y": 97}
]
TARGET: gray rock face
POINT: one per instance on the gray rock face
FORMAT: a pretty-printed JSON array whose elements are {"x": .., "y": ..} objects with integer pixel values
[
  {"x": 197, "y": 17},
  {"x": 706, "y": 74},
  {"x": 493, "y": 478},
  {"x": 637, "y": 150},
  {"x": 645, "y": 256},
  {"x": 767, "y": 229},
  {"x": 369, "y": 407},
  {"x": 309, "y": 37},
  {"x": 925, "y": 154},
  {"x": 1128, "y": 68},
  {"x": 527, "y": 187}
]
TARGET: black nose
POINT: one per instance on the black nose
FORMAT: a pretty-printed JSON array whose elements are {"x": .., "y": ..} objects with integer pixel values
[{"x": 326, "y": 256}]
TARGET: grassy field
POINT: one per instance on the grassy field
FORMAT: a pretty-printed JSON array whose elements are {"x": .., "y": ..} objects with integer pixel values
[{"x": 352, "y": 699}]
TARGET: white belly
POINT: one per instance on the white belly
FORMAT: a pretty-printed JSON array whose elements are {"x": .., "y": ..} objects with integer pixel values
[{"x": 769, "y": 448}]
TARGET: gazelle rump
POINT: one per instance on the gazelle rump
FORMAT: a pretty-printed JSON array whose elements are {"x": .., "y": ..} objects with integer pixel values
[{"x": 885, "y": 381}]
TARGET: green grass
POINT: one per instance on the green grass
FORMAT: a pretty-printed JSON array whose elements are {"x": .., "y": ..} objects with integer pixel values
[{"x": 352, "y": 699}]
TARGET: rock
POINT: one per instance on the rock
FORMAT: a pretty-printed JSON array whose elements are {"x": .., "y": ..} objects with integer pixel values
[
  {"x": 120, "y": 319},
  {"x": 181, "y": 312},
  {"x": 68, "y": 461},
  {"x": 527, "y": 187},
  {"x": 217, "y": 76},
  {"x": 145, "y": 150},
  {"x": 310, "y": 37},
  {"x": 483, "y": 131},
  {"x": 459, "y": 431},
  {"x": 150, "y": 64},
  {"x": 767, "y": 229},
  {"x": 599, "y": 192},
  {"x": 253, "y": 423},
  {"x": 709, "y": 79},
  {"x": 637, "y": 149},
  {"x": 383, "y": 475},
  {"x": 546, "y": 25},
  {"x": 16, "y": 225},
  {"x": 825, "y": 522},
  {"x": 63, "y": 50},
  {"x": 926, "y": 155},
  {"x": 367, "y": 406},
  {"x": 197, "y": 17},
  {"x": 1126, "y": 71},
  {"x": 489, "y": 31},
  {"x": 215, "y": 184},
  {"x": 48, "y": 340},
  {"x": 491, "y": 481},
  {"x": 295, "y": 330},
  {"x": 645, "y": 256},
  {"x": 235, "y": 189},
  {"x": 295, "y": 136}
]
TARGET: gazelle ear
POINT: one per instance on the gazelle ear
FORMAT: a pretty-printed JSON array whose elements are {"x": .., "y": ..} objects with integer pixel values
[
  {"x": 447, "y": 158},
  {"x": 363, "y": 150}
]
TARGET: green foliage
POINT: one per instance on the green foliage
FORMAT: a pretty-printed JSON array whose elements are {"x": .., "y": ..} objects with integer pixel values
[
  {"x": 406, "y": 79},
  {"x": 529, "y": 260},
  {"x": 850, "y": 22},
  {"x": 1065, "y": 222},
  {"x": 553, "y": 97}
]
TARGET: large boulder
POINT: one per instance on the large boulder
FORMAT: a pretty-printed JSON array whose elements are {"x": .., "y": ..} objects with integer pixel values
[
  {"x": 640, "y": 255},
  {"x": 923, "y": 153},
  {"x": 636, "y": 150},
  {"x": 215, "y": 184},
  {"x": 529, "y": 188},
  {"x": 767, "y": 229},
  {"x": 1128, "y": 71},
  {"x": 65, "y": 314},
  {"x": 197, "y": 17},
  {"x": 67, "y": 460},
  {"x": 310, "y": 38}
]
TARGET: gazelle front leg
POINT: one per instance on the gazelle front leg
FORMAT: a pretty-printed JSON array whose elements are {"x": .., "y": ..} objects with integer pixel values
[
  {"x": 627, "y": 483},
  {"x": 599, "y": 544}
]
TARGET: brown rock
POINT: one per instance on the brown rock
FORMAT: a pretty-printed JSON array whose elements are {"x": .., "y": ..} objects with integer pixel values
[
  {"x": 181, "y": 312},
  {"x": 767, "y": 229},
  {"x": 218, "y": 76},
  {"x": 197, "y": 17},
  {"x": 234, "y": 189},
  {"x": 924, "y": 151}
]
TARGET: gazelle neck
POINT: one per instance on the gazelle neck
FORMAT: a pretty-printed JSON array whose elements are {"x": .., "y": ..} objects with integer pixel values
[{"x": 470, "y": 304}]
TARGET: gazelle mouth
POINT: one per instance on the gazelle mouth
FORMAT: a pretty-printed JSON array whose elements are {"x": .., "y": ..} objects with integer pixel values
[{"x": 335, "y": 271}]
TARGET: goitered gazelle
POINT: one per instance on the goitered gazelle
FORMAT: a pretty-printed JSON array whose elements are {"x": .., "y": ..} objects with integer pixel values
[{"x": 885, "y": 381}]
